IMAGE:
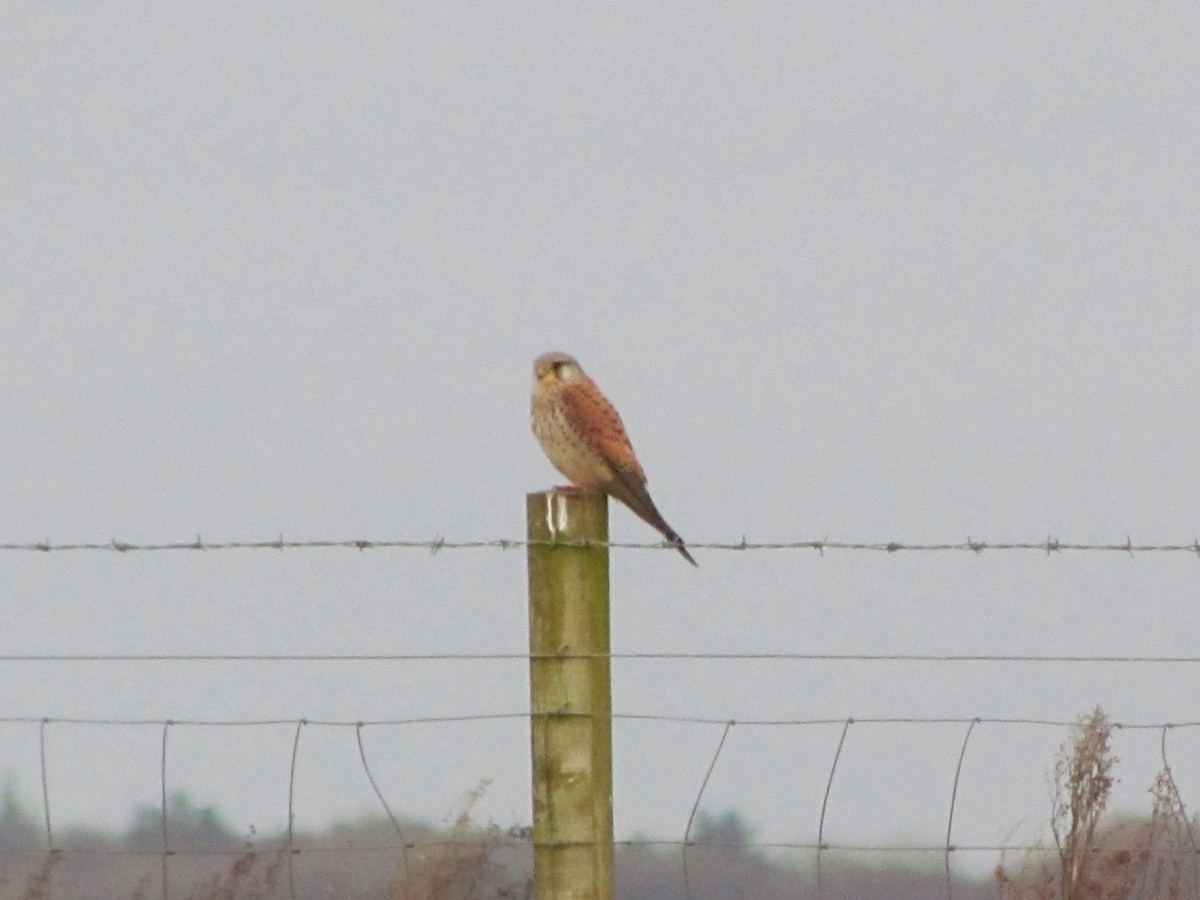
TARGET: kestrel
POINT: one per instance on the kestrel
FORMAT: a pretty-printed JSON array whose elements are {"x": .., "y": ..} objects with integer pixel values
[{"x": 583, "y": 436}]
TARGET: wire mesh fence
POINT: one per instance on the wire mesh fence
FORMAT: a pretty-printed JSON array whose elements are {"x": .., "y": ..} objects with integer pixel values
[{"x": 290, "y": 847}]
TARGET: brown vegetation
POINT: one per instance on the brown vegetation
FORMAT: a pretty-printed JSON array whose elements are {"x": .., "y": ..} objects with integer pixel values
[{"x": 1135, "y": 859}]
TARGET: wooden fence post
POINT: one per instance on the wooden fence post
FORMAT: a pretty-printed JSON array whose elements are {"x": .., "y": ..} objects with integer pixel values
[{"x": 570, "y": 697}]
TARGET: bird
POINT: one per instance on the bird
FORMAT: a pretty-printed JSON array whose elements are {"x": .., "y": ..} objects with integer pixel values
[{"x": 583, "y": 436}]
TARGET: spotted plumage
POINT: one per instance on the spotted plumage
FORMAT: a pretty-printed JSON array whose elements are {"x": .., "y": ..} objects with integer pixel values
[{"x": 584, "y": 438}]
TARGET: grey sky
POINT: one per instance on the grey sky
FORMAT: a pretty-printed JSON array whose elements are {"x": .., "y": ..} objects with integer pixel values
[{"x": 880, "y": 272}]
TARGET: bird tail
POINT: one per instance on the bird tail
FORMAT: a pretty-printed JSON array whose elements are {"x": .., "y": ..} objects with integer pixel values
[
  {"x": 677, "y": 541},
  {"x": 630, "y": 489}
]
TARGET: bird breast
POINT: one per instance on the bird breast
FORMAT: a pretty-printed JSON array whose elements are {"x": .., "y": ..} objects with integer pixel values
[{"x": 567, "y": 449}]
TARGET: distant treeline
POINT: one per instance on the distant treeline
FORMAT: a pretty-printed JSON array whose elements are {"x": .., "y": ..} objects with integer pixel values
[{"x": 359, "y": 859}]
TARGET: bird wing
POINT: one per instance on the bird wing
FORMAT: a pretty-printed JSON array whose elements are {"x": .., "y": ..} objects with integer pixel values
[{"x": 590, "y": 414}]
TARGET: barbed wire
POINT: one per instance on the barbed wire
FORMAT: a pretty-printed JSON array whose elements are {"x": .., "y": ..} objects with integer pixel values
[{"x": 1048, "y": 546}]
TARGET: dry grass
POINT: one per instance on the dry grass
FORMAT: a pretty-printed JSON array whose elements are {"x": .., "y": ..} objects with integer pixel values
[
  {"x": 1150, "y": 858},
  {"x": 37, "y": 887},
  {"x": 251, "y": 876},
  {"x": 468, "y": 862}
]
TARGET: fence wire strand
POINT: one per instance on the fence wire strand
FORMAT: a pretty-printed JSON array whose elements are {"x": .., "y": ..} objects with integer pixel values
[
  {"x": 1048, "y": 546},
  {"x": 687, "y": 831},
  {"x": 404, "y": 846},
  {"x": 837, "y": 755},
  {"x": 646, "y": 656},
  {"x": 962, "y": 754},
  {"x": 629, "y": 717},
  {"x": 166, "y": 835},
  {"x": 291, "y": 811}
]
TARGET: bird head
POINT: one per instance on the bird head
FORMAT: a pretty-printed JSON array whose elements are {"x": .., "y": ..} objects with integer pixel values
[{"x": 556, "y": 367}]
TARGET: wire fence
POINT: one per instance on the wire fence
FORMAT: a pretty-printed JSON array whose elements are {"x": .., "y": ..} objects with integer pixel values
[{"x": 292, "y": 847}]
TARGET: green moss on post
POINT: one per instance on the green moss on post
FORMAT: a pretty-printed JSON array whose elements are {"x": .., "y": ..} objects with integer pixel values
[{"x": 570, "y": 697}]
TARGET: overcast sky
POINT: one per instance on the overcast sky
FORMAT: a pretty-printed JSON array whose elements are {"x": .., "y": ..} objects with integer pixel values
[{"x": 867, "y": 272}]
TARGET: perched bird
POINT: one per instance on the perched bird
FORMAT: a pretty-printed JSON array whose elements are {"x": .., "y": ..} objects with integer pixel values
[{"x": 583, "y": 436}]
